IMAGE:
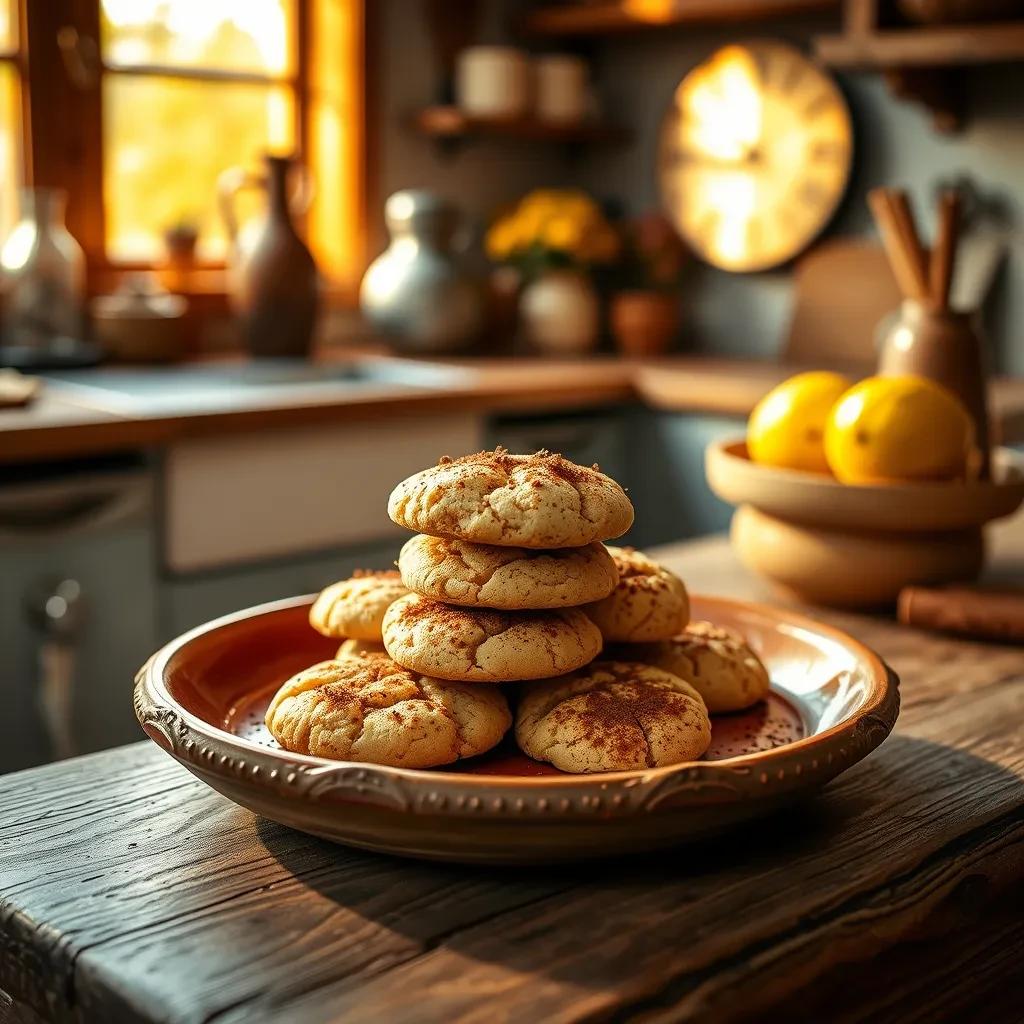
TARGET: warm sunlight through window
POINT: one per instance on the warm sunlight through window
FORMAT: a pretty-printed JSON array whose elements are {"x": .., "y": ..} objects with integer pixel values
[
  {"x": 192, "y": 87},
  {"x": 10, "y": 118}
]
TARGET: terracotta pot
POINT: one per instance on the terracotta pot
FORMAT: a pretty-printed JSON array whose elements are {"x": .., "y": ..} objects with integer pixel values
[
  {"x": 559, "y": 313},
  {"x": 273, "y": 278},
  {"x": 644, "y": 323}
]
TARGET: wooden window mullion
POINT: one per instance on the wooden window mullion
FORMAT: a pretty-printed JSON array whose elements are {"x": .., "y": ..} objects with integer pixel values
[{"x": 64, "y": 123}]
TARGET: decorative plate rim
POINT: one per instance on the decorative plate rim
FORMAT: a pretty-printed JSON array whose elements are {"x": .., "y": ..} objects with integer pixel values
[{"x": 210, "y": 749}]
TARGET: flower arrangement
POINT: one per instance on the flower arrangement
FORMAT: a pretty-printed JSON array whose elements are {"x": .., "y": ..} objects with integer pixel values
[{"x": 553, "y": 228}]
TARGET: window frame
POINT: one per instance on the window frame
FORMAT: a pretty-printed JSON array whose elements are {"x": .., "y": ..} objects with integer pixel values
[{"x": 62, "y": 130}]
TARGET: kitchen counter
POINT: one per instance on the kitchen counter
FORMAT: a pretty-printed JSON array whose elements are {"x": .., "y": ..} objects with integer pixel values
[
  {"x": 130, "y": 892},
  {"x": 65, "y": 424}
]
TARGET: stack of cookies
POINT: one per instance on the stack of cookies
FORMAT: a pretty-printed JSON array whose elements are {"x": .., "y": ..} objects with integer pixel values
[{"x": 507, "y": 591}]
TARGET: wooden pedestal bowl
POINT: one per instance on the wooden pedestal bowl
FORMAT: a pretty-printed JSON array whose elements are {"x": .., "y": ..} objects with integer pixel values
[
  {"x": 202, "y": 699},
  {"x": 853, "y": 546}
]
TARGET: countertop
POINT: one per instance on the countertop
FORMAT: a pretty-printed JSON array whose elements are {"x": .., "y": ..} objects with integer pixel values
[
  {"x": 61, "y": 425},
  {"x": 131, "y": 892}
]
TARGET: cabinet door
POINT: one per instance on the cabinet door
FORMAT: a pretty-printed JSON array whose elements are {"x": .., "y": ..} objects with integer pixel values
[
  {"x": 116, "y": 634},
  {"x": 189, "y": 602},
  {"x": 247, "y": 498},
  {"x": 586, "y": 439},
  {"x": 667, "y": 482}
]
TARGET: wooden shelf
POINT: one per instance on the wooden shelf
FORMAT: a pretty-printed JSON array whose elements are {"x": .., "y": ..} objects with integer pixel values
[
  {"x": 613, "y": 17},
  {"x": 944, "y": 46},
  {"x": 450, "y": 124}
]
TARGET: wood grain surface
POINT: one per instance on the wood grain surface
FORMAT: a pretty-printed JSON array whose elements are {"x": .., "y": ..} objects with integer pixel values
[{"x": 131, "y": 892}]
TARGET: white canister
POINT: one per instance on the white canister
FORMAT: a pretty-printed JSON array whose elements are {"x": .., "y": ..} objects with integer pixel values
[
  {"x": 560, "y": 88},
  {"x": 492, "y": 81}
]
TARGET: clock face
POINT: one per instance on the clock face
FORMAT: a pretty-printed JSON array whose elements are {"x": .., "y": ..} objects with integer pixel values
[{"x": 754, "y": 155}]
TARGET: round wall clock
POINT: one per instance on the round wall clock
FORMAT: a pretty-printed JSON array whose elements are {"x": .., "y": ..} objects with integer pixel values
[{"x": 754, "y": 155}]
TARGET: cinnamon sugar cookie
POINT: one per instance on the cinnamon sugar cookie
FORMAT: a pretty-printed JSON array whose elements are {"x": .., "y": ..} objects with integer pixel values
[
  {"x": 612, "y": 716},
  {"x": 479, "y": 645},
  {"x": 354, "y": 608},
  {"x": 361, "y": 649},
  {"x": 719, "y": 664},
  {"x": 370, "y": 709},
  {"x": 648, "y": 603},
  {"x": 529, "y": 501},
  {"x": 487, "y": 576}
]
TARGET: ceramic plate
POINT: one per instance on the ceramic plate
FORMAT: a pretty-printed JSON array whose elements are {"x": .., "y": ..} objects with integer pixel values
[{"x": 202, "y": 698}]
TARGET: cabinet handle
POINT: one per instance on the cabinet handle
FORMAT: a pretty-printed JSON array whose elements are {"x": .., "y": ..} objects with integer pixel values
[{"x": 56, "y": 611}]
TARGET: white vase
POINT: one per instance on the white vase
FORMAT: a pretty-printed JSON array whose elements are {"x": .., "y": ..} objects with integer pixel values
[{"x": 559, "y": 313}]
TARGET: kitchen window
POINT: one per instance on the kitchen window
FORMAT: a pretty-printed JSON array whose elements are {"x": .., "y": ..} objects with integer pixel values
[{"x": 136, "y": 107}]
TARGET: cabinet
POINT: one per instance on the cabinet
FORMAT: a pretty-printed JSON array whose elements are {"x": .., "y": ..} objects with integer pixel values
[
  {"x": 585, "y": 438},
  {"x": 665, "y": 454},
  {"x": 187, "y": 602},
  {"x": 94, "y": 526}
]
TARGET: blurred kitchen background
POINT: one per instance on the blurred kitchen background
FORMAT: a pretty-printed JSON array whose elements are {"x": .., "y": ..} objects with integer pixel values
[{"x": 605, "y": 228}]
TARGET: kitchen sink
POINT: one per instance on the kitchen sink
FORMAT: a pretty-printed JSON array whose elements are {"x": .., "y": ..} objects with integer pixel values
[{"x": 209, "y": 387}]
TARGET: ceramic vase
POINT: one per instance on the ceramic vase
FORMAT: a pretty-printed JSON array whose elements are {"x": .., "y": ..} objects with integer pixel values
[
  {"x": 272, "y": 277},
  {"x": 559, "y": 313},
  {"x": 946, "y": 347}
]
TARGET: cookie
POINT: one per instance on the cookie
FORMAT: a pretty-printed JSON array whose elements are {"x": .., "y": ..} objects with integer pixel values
[
  {"x": 354, "y": 608},
  {"x": 370, "y": 709},
  {"x": 361, "y": 649},
  {"x": 612, "y": 716},
  {"x": 528, "y": 501},
  {"x": 718, "y": 662},
  {"x": 479, "y": 645},
  {"x": 487, "y": 576},
  {"x": 648, "y": 603}
]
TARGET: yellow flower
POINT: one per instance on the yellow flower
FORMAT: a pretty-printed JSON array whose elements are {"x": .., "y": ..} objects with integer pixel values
[
  {"x": 502, "y": 239},
  {"x": 563, "y": 233}
]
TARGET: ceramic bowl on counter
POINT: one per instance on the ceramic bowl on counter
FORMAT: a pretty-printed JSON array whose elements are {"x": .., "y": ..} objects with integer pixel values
[
  {"x": 854, "y": 545},
  {"x": 140, "y": 322}
]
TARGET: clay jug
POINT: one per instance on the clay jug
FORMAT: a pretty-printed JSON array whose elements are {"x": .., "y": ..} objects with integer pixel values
[
  {"x": 272, "y": 276},
  {"x": 946, "y": 347}
]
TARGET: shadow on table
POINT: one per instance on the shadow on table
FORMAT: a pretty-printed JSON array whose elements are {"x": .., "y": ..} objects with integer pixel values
[{"x": 879, "y": 820}]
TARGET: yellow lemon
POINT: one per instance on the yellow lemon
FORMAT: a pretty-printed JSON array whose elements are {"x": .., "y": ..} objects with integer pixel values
[
  {"x": 898, "y": 428},
  {"x": 787, "y": 427}
]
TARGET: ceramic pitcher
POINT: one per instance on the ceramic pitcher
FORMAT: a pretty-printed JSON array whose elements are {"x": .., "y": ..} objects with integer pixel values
[
  {"x": 272, "y": 276},
  {"x": 417, "y": 291}
]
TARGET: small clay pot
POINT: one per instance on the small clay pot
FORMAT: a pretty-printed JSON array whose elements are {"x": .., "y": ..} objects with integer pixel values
[{"x": 644, "y": 323}]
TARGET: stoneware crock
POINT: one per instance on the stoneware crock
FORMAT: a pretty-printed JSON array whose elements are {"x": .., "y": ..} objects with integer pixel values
[{"x": 203, "y": 696}]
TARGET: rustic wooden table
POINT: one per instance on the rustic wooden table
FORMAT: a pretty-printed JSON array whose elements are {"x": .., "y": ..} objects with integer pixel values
[{"x": 131, "y": 892}]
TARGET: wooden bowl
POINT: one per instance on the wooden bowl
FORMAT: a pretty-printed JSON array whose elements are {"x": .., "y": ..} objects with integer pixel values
[
  {"x": 819, "y": 500},
  {"x": 203, "y": 696},
  {"x": 857, "y": 546}
]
